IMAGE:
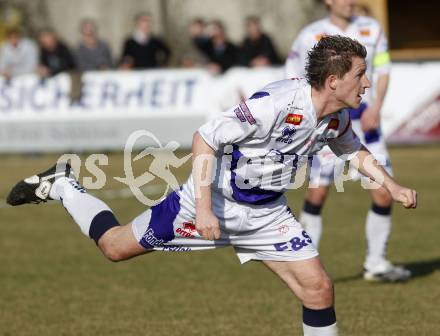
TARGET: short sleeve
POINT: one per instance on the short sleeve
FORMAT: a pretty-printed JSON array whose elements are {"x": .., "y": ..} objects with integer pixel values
[
  {"x": 347, "y": 143},
  {"x": 251, "y": 121}
]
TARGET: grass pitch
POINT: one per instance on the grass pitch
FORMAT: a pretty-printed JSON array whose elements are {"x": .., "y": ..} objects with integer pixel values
[{"x": 53, "y": 280}]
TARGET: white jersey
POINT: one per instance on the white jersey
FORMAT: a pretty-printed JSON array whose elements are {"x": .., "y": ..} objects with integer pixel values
[
  {"x": 364, "y": 29},
  {"x": 261, "y": 142}
]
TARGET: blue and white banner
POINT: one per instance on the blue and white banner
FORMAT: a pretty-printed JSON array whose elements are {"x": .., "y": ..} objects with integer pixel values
[
  {"x": 44, "y": 115},
  {"x": 99, "y": 110}
]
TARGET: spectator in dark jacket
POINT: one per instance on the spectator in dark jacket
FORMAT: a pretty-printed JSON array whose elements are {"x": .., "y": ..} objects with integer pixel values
[
  {"x": 198, "y": 34},
  {"x": 143, "y": 50},
  {"x": 257, "y": 48},
  {"x": 219, "y": 50},
  {"x": 192, "y": 55},
  {"x": 55, "y": 57},
  {"x": 92, "y": 53}
]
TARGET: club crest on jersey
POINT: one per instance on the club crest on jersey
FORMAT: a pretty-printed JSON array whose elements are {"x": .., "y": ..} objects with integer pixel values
[
  {"x": 333, "y": 124},
  {"x": 364, "y": 32},
  {"x": 294, "y": 119},
  {"x": 286, "y": 135}
]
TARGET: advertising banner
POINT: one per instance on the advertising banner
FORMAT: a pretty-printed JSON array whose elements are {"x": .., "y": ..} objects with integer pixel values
[{"x": 99, "y": 110}]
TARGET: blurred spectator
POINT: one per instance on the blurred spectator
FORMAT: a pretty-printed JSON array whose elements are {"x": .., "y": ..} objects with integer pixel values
[
  {"x": 92, "y": 53},
  {"x": 192, "y": 55},
  {"x": 192, "y": 58},
  {"x": 19, "y": 55},
  {"x": 257, "y": 48},
  {"x": 143, "y": 50},
  {"x": 221, "y": 53},
  {"x": 55, "y": 57},
  {"x": 361, "y": 10},
  {"x": 198, "y": 34}
]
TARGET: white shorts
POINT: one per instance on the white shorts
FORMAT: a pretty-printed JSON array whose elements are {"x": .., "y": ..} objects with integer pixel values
[
  {"x": 327, "y": 167},
  {"x": 257, "y": 232}
]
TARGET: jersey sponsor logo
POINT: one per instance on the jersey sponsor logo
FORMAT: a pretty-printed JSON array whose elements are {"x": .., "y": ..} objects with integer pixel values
[
  {"x": 183, "y": 233},
  {"x": 150, "y": 239},
  {"x": 176, "y": 248},
  {"x": 333, "y": 124},
  {"x": 294, "y": 119},
  {"x": 259, "y": 94},
  {"x": 295, "y": 244},
  {"x": 189, "y": 226},
  {"x": 286, "y": 135},
  {"x": 248, "y": 115},
  {"x": 364, "y": 32},
  {"x": 188, "y": 230},
  {"x": 239, "y": 114}
]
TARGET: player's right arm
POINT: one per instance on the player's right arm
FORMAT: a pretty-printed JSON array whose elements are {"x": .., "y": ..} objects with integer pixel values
[
  {"x": 365, "y": 162},
  {"x": 249, "y": 122},
  {"x": 203, "y": 158},
  {"x": 348, "y": 146}
]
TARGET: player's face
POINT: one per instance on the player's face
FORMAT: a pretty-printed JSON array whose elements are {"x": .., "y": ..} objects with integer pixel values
[
  {"x": 352, "y": 85},
  {"x": 341, "y": 8}
]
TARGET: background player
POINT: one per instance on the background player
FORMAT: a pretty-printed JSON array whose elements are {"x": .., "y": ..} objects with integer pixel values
[
  {"x": 242, "y": 207},
  {"x": 366, "y": 124}
]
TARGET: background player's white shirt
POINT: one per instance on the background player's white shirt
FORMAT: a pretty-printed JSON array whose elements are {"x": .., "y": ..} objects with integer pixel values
[
  {"x": 261, "y": 142},
  {"x": 364, "y": 29}
]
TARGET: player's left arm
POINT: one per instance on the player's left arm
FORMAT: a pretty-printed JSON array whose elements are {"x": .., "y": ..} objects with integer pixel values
[
  {"x": 365, "y": 162},
  {"x": 381, "y": 67}
]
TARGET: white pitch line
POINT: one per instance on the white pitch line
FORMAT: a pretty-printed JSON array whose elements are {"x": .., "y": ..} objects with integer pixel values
[{"x": 111, "y": 193}]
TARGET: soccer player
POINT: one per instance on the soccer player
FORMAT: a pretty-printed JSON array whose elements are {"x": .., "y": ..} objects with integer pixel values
[
  {"x": 366, "y": 124},
  {"x": 243, "y": 161}
]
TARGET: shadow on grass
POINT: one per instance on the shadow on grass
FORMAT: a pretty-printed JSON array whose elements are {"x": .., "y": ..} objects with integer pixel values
[
  {"x": 418, "y": 269},
  {"x": 348, "y": 278},
  {"x": 423, "y": 268}
]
